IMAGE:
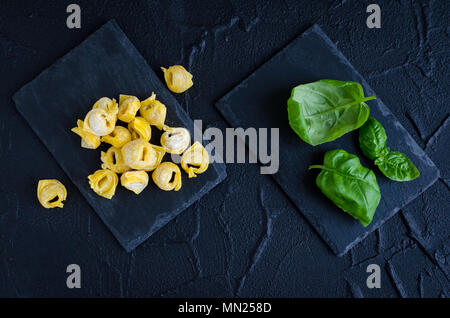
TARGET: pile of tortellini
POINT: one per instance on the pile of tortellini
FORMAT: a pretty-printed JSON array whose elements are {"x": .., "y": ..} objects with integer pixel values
[{"x": 131, "y": 154}]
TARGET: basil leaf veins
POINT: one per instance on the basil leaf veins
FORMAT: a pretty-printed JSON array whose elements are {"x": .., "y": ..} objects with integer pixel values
[
  {"x": 352, "y": 187},
  {"x": 325, "y": 110},
  {"x": 393, "y": 164}
]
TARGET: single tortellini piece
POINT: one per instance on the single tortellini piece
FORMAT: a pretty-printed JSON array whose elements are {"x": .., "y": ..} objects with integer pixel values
[
  {"x": 118, "y": 137},
  {"x": 140, "y": 128},
  {"x": 88, "y": 140},
  {"x": 128, "y": 107},
  {"x": 108, "y": 104},
  {"x": 99, "y": 122},
  {"x": 167, "y": 176},
  {"x": 175, "y": 139},
  {"x": 141, "y": 155},
  {"x": 51, "y": 193},
  {"x": 113, "y": 160},
  {"x": 178, "y": 80},
  {"x": 195, "y": 160},
  {"x": 104, "y": 182},
  {"x": 153, "y": 111},
  {"x": 135, "y": 181}
]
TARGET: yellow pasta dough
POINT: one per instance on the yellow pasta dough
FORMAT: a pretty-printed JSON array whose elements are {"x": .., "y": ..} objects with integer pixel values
[
  {"x": 167, "y": 176},
  {"x": 118, "y": 137},
  {"x": 128, "y": 107},
  {"x": 140, "y": 128},
  {"x": 104, "y": 182},
  {"x": 153, "y": 111},
  {"x": 177, "y": 78},
  {"x": 141, "y": 155},
  {"x": 99, "y": 122},
  {"x": 135, "y": 181},
  {"x": 195, "y": 160},
  {"x": 51, "y": 193},
  {"x": 88, "y": 140},
  {"x": 175, "y": 140},
  {"x": 113, "y": 160},
  {"x": 107, "y": 104}
]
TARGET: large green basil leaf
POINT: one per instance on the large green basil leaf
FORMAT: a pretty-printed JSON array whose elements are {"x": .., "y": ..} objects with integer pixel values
[
  {"x": 325, "y": 110},
  {"x": 397, "y": 166},
  {"x": 372, "y": 138},
  {"x": 352, "y": 187}
]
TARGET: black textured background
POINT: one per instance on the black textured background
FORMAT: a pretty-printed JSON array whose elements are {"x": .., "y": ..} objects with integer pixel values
[{"x": 244, "y": 238}]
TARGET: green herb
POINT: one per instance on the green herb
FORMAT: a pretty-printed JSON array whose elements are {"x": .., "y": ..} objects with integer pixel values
[
  {"x": 325, "y": 110},
  {"x": 352, "y": 187},
  {"x": 393, "y": 164}
]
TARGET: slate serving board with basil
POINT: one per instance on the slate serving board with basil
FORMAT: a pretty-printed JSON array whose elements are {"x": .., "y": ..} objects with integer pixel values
[
  {"x": 261, "y": 101},
  {"x": 107, "y": 64}
]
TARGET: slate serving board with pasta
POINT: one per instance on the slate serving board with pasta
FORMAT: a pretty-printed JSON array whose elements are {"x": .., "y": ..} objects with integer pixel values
[
  {"x": 261, "y": 101},
  {"x": 107, "y": 64}
]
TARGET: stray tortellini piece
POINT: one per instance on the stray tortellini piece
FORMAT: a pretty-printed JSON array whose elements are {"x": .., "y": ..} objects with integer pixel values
[
  {"x": 51, "y": 193},
  {"x": 154, "y": 111},
  {"x": 167, "y": 176},
  {"x": 195, "y": 160},
  {"x": 141, "y": 155},
  {"x": 104, "y": 182},
  {"x": 107, "y": 104},
  {"x": 88, "y": 140},
  {"x": 178, "y": 80},
  {"x": 113, "y": 160},
  {"x": 128, "y": 107},
  {"x": 175, "y": 139},
  {"x": 118, "y": 137},
  {"x": 140, "y": 128},
  {"x": 99, "y": 122},
  {"x": 135, "y": 181}
]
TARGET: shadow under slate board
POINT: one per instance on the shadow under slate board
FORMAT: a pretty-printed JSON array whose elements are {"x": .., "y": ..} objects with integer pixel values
[
  {"x": 261, "y": 101},
  {"x": 107, "y": 64}
]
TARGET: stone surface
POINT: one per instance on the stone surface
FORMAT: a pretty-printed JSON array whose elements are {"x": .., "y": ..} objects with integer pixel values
[
  {"x": 107, "y": 64},
  {"x": 217, "y": 246},
  {"x": 260, "y": 102}
]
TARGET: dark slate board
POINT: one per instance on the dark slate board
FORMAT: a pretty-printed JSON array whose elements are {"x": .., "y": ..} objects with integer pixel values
[
  {"x": 107, "y": 64},
  {"x": 260, "y": 101}
]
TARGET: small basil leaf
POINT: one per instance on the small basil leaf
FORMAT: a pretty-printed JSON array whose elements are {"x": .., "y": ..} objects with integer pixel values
[
  {"x": 352, "y": 187},
  {"x": 397, "y": 166},
  {"x": 372, "y": 138},
  {"x": 325, "y": 110}
]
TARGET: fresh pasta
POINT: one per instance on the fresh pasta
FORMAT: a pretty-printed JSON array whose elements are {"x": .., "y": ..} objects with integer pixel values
[
  {"x": 113, "y": 160},
  {"x": 140, "y": 128},
  {"x": 88, "y": 140},
  {"x": 153, "y": 111},
  {"x": 167, "y": 176},
  {"x": 51, "y": 193},
  {"x": 104, "y": 182},
  {"x": 175, "y": 140},
  {"x": 195, "y": 160},
  {"x": 178, "y": 80},
  {"x": 141, "y": 155},
  {"x": 135, "y": 181},
  {"x": 118, "y": 137},
  {"x": 128, "y": 107}
]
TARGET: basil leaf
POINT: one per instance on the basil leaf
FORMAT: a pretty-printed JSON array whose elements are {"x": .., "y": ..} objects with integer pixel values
[
  {"x": 325, "y": 110},
  {"x": 372, "y": 138},
  {"x": 397, "y": 166},
  {"x": 352, "y": 187}
]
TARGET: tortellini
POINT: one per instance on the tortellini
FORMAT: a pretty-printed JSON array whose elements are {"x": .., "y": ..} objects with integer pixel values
[
  {"x": 118, "y": 137},
  {"x": 141, "y": 155},
  {"x": 175, "y": 140},
  {"x": 140, "y": 128},
  {"x": 113, "y": 160},
  {"x": 51, "y": 193},
  {"x": 88, "y": 140},
  {"x": 167, "y": 176},
  {"x": 104, "y": 182},
  {"x": 195, "y": 160},
  {"x": 128, "y": 107},
  {"x": 107, "y": 104},
  {"x": 153, "y": 111},
  {"x": 135, "y": 181},
  {"x": 99, "y": 122},
  {"x": 177, "y": 78}
]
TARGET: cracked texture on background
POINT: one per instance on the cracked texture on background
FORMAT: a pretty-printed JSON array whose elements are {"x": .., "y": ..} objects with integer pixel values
[{"x": 244, "y": 238}]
